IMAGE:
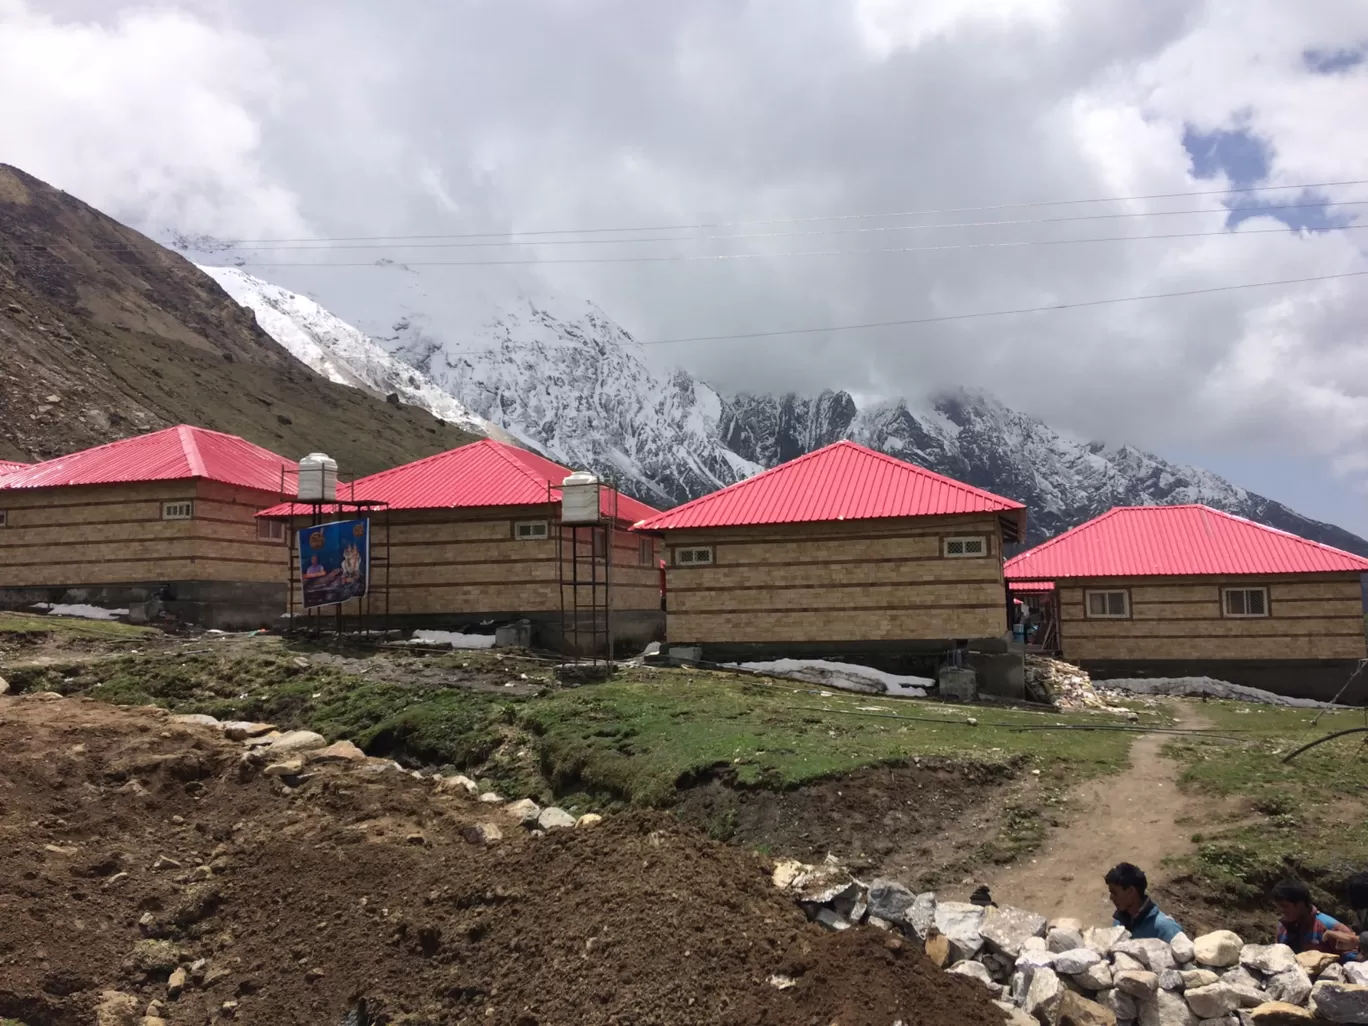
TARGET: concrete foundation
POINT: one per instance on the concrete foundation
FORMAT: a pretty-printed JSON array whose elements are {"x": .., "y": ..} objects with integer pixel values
[
  {"x": 633, "y": 629},
  {"x": 1318, "y": 679},
  {"x": 226, "y": 605}
]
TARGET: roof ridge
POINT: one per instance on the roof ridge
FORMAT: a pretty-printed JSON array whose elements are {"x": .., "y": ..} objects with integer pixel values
[
  {"x": 908, "y": 465},
  {"x": 502, "y": 449},
  {"x": 1273, "y": 530},
  {"x": 190, "y": 449}
]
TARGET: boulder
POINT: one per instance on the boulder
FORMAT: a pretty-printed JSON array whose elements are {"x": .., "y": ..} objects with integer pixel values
[
  {"x": 1007, "y": 929},
  {"x": 1015, "y": 1016},
  {"x": 1076, "y": 1010},
  {"x": 175, "y": 984},
  {"x": 491, "y": 798},
  {"x": 975, "y": 971},
  {"x": 1212, "y": 1001},
  {"x": 1035, "y": 944},
  {"x": 1290, "y": 985},
  {"x": 938, "y": 949},
  {"x": 1220, "y": 949},
  {"x": 338, "y": 751},
  {"x": 1076, "y": 960},
  {"x": 831, "y": 920},
  {"x": 526, "y": 812},
  {"x": 1341, "y": 1002},
  {"x": 1044, "y": 994},
  {"x": 1167, "y": 1009},
  {"x": 1316, "y": 962},
  {"x": 1278, "y": 1013},
  {"x": 1029, "y": 961},
  {"x": 1103, "y": 938},
  {"x": 960, "y": 922},
  {"x": 786, "y": 871},
  {"x": 458, "y": 782},
  {"x": 1193, "y": 978},
  {"x": 481, "y": 834},
  {"x": 287, "y": 768},
  {"x": 1121, "y": 961},
  {"x": 1095, "y": 978},
  {"x": 589, "y": 819},
  {"x": 1137, "y": 983},
  {"x": 1171, "y": 979},
  {"x": 1331, "y": 973},
  {"x": 296, "y": 741},
  {"x": 921, "y": 916},
  {"x": 1155, "y": 955},
  {"x": 552, "y": 818},
  {"x": 1120, "y": 1004},
  {"x": 116, "y": 1009},
  {"x": 889, "y": 900},
  {"x": 1184, "y": 951},
  {"x": 1356, "y": 972},
  {"x": 1267, "y": 958},
  {"x": 243, "y": 730},
  {"x": 1064, "y": 938},
  {"x": 195, "y": 720}
]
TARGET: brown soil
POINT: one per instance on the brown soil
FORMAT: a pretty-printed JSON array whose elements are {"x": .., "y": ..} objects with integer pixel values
[
  {"x": 903, "y": 820},
  {"x": 312, "y": 896},
  {"x": 1137, "y": 816}
]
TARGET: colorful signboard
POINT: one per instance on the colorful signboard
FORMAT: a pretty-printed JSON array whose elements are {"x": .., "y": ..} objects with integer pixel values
[{"x": 334, "y": 562}]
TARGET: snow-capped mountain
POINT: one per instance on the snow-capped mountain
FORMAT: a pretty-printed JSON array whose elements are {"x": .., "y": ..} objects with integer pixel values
[{"x": 563, "y": 378}]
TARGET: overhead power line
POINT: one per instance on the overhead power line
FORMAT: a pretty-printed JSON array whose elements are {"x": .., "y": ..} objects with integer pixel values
[
  {"x": 669, "y": 258},
  {"x": 1239, "y": 191}
]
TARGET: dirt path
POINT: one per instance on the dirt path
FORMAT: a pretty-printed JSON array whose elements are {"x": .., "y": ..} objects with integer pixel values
[{"x": 1138, "y": 816}]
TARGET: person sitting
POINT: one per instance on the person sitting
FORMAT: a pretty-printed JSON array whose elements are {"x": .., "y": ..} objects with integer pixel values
[
  {"x": 1135, "y": 910},
  {"x": 1303, "y": 927}
]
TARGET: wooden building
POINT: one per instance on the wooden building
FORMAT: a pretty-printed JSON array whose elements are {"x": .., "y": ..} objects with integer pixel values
[
  {"x": 167, "y": 517},
  {"x": 1191, "y": 591},
  {"x": 472, "y": 540},
  {"x": 843, "y": 553}
]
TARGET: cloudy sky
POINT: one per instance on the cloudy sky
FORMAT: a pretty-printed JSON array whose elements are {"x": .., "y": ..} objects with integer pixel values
[{"x": 260, "y": 119}]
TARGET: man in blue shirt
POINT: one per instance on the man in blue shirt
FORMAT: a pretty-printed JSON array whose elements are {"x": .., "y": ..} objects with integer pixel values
[{"x": 1135, "y": 910}]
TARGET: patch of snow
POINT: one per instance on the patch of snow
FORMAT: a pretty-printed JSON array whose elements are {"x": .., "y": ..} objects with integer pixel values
[
  {"x": 845, "y": 676},
  {"x": 453, "y": 638},
  {"x": 80, "y": 610}
]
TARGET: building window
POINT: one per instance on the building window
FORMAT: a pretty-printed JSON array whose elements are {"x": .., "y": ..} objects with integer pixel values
[
  {"x": 1108, "y": 605},
  {"x": 693, "y": 557},
  {"x": 4, "y": 518},
  {"x": 1245, "y": 601},
  {"x": 645, "y": 552},
  {"x": 270, "y": 530},
  {"x": 530, "y": 530},
  {"x": 178, "y": 510},
  {"x": 970, "y": 547}
]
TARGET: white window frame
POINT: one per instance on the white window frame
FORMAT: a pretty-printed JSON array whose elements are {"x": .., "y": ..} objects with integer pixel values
[
  {"x": 687, "y": 555},
  {"x": 1244, "y": 591},
  {"x": 272, "y": 531},
  {"x": 1087, "y": 604},
  {"x": 539, "y": 530},
  {"x": 985, "y": 548},
  {"x": 180, "y": 509}
]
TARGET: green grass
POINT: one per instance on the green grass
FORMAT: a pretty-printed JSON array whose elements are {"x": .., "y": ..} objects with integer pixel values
[
  {"x": 72, "y": 627},
  {"x": 1308, "y": 817}
]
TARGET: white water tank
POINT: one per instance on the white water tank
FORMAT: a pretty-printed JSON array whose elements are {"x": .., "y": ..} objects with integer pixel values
[
  {"x": 580, "y": 498},
  {"x": 317, "y": 478}
]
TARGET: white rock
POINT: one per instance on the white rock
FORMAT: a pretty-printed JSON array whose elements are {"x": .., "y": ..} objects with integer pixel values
[
  {"x": 589, "y": 819},
  {"x": 1292, "y": 986},
  {"x": 1219, "y": 949},
  {"x": 481, "y": 834},
  {"x": 1103, "y": 938},
  {"x": 296, "y": 741},
  {"x": 1095, "y": 978},
  {"x": 243, "y": 730},
  {"x": 1064, "y": 939},
  {"x": 1137, "y": 983},
  {"x": 1184, "y": 951},
  {"x": 1356, "y": 972},
  {"x": 1341, "y": 1002},
  {"x": 1167, "y": 1009},
  {"x": 1076, "y": 960},
  {"x": 1044, "y": 994},
  {"x": 552, "y": 818},
  {"x": 1193, "y": 978},
  {"x": 1212, "y": 1001},
  {"x": 338, "y": 751},
  {"x": 1336, "y": 974},
  {"x": 1122, "y": 962},
  {"x": 195, "y": 720},
  {"x": 975, "y": 971},
  {"x": 285, "y": 768},
  {"x": 1008, "y": 929},
  {"x": 1171, "y": 979},
  {"x": 1034, "y": 944},
  {"x": 1015, "y": 1016},
  {"x": 1156, "y": 955},
  {"x": 1121, "y": 1004},
  {"x": 1267, "y": 958},
  {"x": 921, "y": 916},
  {"x": 524, "y": 811},
  {"x": 458, "y": 783},
  {"x": 960, "y": 922},
  {"x": 4, "y": 685}
]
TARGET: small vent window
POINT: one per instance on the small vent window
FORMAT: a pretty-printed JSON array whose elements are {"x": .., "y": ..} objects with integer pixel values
[
  {"x": 178, "y": 510},
  {"x": 969, "y": 547},
  {"x": 645, "y": 552},
  {"x": 530, "y": 530},
  {"x": 1246, "y": 601},
  {"x": 693, "y": 557},
  {"x": 271, "y": 530},
  {"x": 1108, "y": 605},
  {"x": 4, "y": 518}
]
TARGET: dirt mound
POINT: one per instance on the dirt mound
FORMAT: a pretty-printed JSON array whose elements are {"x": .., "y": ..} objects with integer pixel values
[{"x": 137, "y": 848}]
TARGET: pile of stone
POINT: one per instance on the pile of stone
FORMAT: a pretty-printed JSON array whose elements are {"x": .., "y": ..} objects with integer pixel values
[
  {"x": 1062, "y": 974},
  {"x": 1066, "y": 686}
]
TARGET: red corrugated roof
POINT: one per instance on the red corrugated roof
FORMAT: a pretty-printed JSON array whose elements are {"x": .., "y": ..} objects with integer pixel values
[
  {"x": 1025, "y": 586},
  {"x": 1152, "y": 541},
  {"x": 9, "y": 467},
  {"x": 843, "y": 481},
  {"x": 485, "y": 473},
  {"x": 173, "y": 454}
]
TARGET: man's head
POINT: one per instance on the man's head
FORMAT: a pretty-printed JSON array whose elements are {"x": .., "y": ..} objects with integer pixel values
[
  {"x": 1358, "y": 892},
  {"x": 1127, "y": 886},
  {"x": 1292, "y": 898}
]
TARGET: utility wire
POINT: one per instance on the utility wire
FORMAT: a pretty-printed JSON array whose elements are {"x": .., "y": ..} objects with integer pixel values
[
  {"x": 671, "y": 258},
  {"x": 1242, "y": 190}
]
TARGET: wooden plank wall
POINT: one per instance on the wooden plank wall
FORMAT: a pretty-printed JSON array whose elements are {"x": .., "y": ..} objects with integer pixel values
[
  {"x": 869, "y": 581},
  {"x": 1310, "y": 617},
  {"x": 115, "y": 534}
]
